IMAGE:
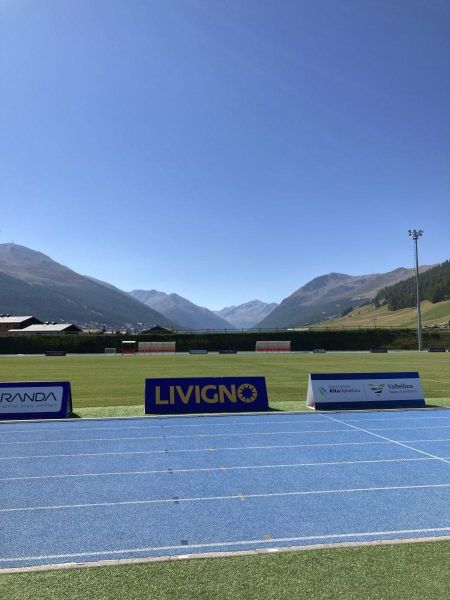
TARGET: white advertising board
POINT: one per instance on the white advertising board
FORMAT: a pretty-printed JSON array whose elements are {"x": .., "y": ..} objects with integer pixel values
[
  {"x": 35, "y": 400},
  {"x": 364, "y": 390}
]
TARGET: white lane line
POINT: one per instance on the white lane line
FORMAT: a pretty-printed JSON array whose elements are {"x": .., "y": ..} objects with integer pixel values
[
  {"x": 392, "y": 417},
  {"x": 231, "y": 497},
  {"x": 276, "y": 421},
  {"x": 398, "y": 442},
  {"x": 71, "y": 426},
  {"x": 217, "y": 469},
  {"x": 210, "y": 449},
  {"x": 175, "y": 451},
  {"x": 220, "y": 553},
  {"x": 201, "y": 435},
  {"x": 280, "y": 540},
  {"x": 424, "y": 440},
  {"x": 406, "y": 428},
  {"x": 352, "y": 429},
  {"x": 74, "y": 426},
  {"x": 171, "y": 437}
]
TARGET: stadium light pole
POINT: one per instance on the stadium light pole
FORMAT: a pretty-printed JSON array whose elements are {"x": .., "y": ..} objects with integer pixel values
[{"x": 415, "y": 234}]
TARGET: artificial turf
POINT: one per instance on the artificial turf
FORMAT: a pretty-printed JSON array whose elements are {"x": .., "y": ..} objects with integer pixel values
[
  {"x": 118, "y": 381},
  {"x": 413, "y": 571},
  {"x": 114, "y": 386}
]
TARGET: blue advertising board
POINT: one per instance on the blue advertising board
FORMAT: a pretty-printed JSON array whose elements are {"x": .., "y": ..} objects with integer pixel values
[
  {"x": 35, "y": 400},
  {"x": 342, "y": 391},
  {"x": 205, "y": 395}
]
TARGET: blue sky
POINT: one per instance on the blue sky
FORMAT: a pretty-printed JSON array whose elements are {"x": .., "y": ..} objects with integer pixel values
[{"x": 225, "y": 150}]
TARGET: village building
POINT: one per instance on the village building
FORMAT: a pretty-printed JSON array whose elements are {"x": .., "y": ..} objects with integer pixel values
[
  {"x": 8, "y": 322},
  {"x": 48, "y": 328}
]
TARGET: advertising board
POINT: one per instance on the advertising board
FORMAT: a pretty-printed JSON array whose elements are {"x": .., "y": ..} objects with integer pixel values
[
  {"x": 35, "y": 400},
  {"x": 205, "y": 395},
  {"x": 364, "y": 390}
]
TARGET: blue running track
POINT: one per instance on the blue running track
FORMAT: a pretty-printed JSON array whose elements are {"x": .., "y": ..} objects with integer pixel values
[{"x": 77, "y": 491}]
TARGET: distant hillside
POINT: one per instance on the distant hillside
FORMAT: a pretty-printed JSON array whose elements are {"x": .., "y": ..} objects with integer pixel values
[
  {"x": 180, "y": 310},
  {"x": 434, "y": 285},
  {"x": 329, "y": 295},
  {"x": 433, "y": 315},
  {"x": 31, "y": 283},
  {"x": 246, "y": 316}
]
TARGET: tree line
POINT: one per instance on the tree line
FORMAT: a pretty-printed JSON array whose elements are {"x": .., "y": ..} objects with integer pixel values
[
  {"x": 434, "y": 285},
  {"x": 358, "y": 339}
]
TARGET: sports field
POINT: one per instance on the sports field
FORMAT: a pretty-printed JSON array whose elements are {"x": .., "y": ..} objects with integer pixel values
[
  {"x": 114, "y": 385},
  {"x": 283, "y": 479}
]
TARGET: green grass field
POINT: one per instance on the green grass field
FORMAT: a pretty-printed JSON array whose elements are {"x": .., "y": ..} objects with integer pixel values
[
  {"x": 114, "y": 385},
  {"x": 389, "y": 572}
]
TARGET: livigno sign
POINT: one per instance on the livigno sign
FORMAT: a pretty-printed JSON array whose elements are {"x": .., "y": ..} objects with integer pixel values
[
  {"x": 364, "y": 390},
  {"x": 205, "y": 394},
  {"x": 35, "y": 400}
]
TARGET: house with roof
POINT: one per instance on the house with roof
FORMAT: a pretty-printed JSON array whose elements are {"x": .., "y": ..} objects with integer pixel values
[
  {"x": 8, "y": 322},
  {"x": 158, "y": 329},
  {"x": 48, "y": 329}
]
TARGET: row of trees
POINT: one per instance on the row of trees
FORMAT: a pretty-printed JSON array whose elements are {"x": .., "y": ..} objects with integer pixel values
[
  {"x": 434, "y": 286},
  {"x": 362, "y": 339}
]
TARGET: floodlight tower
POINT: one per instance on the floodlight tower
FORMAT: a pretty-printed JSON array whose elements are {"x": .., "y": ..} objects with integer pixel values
[{"x": 415, "y": 234}]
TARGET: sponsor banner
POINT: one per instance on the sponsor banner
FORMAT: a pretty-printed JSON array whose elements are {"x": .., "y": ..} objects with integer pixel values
[
  {"x": 205, "y": 394},
  {"x": 364, "y": 390},
  {"x": 35, "y": 400}
]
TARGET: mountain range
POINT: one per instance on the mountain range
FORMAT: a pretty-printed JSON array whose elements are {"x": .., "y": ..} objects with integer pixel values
[
  {"x": 248, "y": 315},
  {"x": 179, "y": 310},
  {"x": 330, "y": 295},
  {"x": 31, "y": 283}
]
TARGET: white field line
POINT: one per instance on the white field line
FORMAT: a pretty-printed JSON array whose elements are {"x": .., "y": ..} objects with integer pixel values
[
  {"x": 267, "y": 549},
  {"x": 295, "y": 432},
  {"x": 74, "y": 425},
  {"x": 145, "y": 427},
  {"x": 203, "y": 435},
  {"x": 212, "y": 449},
  {"x": 171, "y": 437},
  {"x": 370, "y": 429},
  {"x": 240, "y": 497},
  {"x": 227, "y": 544},
  {"x": 392, "y": 418},
  {"x": 217, "y": 469},
  {"x": 252, "y": 551},
  {"x": 398, "y": 442},
  {"x": 352, "y": 429}
]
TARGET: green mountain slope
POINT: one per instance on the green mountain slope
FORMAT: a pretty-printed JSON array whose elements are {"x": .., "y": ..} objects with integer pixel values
[
  {"x": 394, "y": 306},
  {"x": 329, "y": 295},
  {"x": 434, "y": 286},
  {"x": 437, "y": 314}
]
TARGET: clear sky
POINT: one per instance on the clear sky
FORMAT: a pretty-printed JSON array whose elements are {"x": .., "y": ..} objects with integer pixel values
[{"x": 225, "y": 150}]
